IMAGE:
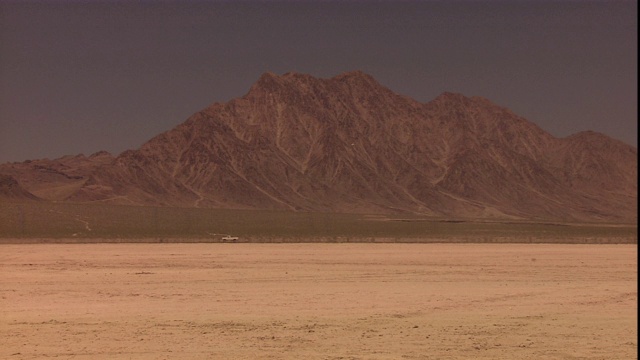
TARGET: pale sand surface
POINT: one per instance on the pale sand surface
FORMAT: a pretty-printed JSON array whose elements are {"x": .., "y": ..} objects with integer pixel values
[{"x": 318, "y": 301}]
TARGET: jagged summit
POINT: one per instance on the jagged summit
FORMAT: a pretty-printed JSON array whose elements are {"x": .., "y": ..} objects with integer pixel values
[
  {"x": 448, "y": 96},
  {"x": 269, "y": 79},
  {"x": 101, "y": 153},
  {"x": 348, "y": 144},
  {"x": 356, "y": 76}
]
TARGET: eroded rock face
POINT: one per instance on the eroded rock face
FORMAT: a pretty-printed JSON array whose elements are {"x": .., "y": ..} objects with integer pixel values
[
  {"x": 10, "y": 189},
  {"x": 348, "y": 144},
  {"x": 55, "y": 179}
]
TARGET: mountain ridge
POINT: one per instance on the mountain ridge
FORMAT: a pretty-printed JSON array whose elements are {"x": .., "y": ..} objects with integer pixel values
[{"x": 348, "y": 144}]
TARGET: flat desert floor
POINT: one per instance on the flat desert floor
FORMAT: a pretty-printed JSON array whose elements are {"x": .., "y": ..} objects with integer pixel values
[{"x": 318, "y": 301}]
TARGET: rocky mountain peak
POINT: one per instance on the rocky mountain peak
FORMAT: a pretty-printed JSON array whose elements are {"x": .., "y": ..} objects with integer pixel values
[
  {"x": 356, "y": 77},
  {"x": 349, "y": 144}
]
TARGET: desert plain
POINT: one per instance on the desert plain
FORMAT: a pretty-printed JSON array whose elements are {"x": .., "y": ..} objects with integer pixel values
[{"x": 318, "y": 301}]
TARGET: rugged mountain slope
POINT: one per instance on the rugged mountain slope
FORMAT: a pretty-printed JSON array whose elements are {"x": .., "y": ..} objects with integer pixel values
[
  {"x": 348, "y": 144},
  {"x": 10, "y": 189},
  {"x": 55, "y": 179}
]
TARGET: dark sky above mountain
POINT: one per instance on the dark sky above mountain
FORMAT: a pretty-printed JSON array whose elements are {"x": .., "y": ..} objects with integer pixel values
[{"x": 82, "y": 76}]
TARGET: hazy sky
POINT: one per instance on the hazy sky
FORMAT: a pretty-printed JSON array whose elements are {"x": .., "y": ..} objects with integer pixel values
[{"x": 83, "y": 76}]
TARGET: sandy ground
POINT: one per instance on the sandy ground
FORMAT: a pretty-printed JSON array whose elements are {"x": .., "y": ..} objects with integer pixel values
[{"x": 318, "y": 301}]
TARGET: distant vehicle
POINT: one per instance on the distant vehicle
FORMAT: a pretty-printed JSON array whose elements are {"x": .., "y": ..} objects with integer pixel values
[{"x": 230, "y": 239}]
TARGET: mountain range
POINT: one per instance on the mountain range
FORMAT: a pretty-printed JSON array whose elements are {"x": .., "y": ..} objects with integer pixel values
[{"x": 348, "y": 144}]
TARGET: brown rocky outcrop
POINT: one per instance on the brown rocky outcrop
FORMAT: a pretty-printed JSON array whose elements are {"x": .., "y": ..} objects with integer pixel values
[{"x": 10, "y": 189}]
